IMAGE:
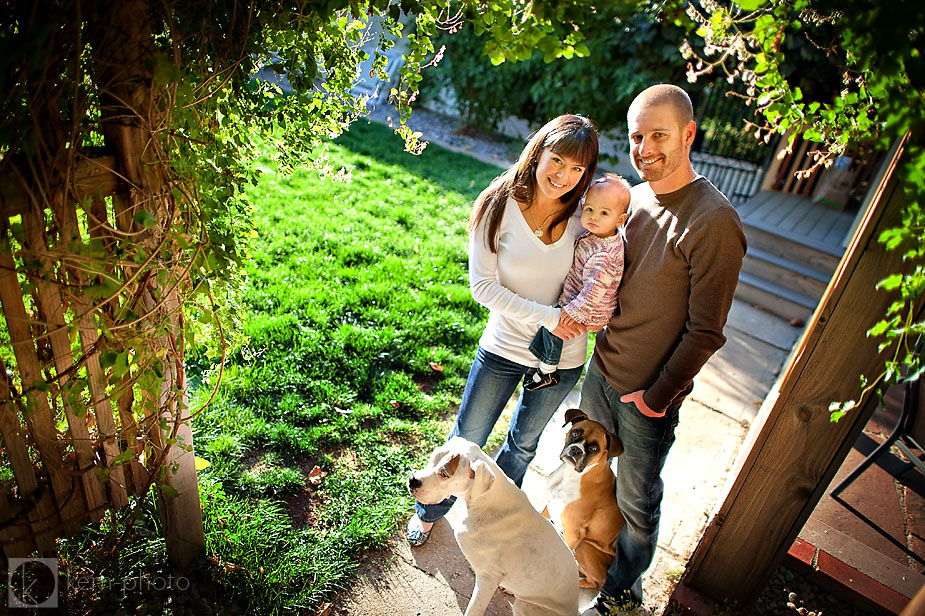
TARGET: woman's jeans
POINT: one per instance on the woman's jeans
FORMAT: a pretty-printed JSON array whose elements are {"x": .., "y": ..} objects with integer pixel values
[
  {"x": 492, "y": 381},
  {"x": 646, "y": 441}
]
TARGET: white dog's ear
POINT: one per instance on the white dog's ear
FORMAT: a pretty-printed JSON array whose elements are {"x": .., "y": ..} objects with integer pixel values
[
  {"x": 482, "y": 477},
  {"x": 438, "y": 453}
]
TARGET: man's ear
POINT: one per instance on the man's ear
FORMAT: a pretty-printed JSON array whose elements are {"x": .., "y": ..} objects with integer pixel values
[
  {"x": 690, "y": 131},
  {"x": 614, "y": 445},
  {"x": 482, "y": 478}
]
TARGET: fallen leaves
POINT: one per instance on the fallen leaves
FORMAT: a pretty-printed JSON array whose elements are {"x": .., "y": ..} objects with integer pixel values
[{"x": 316, "y": 475}]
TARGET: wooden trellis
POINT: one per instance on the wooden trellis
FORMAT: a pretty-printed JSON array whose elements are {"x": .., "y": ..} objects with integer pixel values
[
  {"x": 93, "y": 406},
  {"x": 73, "y": 453}
]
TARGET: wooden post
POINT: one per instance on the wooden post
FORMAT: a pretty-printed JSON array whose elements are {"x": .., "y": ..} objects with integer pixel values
[
  {"x": 128, "y": 97},
  {"x": 771, "y": 173},
  {"x": 183, "y": 512},
  {"x": 797, "y": 451}
]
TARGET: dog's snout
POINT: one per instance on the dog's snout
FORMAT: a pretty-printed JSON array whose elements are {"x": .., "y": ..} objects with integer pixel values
[{"x": 414, "y": 483}]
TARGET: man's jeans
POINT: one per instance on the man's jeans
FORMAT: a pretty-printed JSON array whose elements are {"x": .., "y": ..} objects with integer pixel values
[
  {"x": 492, "y": 381},
  {"x": 646, "y": 442}
]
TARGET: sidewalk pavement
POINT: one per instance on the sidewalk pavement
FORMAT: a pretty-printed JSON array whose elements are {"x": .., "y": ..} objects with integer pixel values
[{"x": 435, "y": 579}]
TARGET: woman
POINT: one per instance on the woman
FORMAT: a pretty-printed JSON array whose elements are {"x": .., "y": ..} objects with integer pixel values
[{"x": 521, "y": 242}]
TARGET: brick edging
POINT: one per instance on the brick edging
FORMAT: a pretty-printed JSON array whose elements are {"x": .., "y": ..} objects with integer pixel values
[
  {"x": 827, "y": 570},
  {"x": 823, "y": 568}
]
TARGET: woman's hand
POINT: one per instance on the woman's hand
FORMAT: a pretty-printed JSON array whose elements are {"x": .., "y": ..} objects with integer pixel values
[{"x": 568, "y": 327}]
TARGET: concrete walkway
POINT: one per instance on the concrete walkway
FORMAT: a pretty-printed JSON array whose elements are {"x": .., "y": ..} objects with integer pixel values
[{"x": 435, "y": 579}]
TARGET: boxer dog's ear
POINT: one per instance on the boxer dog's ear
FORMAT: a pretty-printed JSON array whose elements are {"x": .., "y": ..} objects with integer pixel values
[
  {"x": 574, "y": 416},
  {"x": 614, "y": 445},
  {"x": 482, "y": 477}
]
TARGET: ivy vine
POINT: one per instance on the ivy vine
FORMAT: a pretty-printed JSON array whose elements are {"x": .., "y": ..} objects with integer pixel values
[{"x": 875, "y": 51}]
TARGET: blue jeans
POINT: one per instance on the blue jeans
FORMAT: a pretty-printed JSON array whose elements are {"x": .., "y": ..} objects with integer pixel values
[
  {"x": 646, "y": 442},
  {"x": 492, "y": 381},
  {"x": 547, "y": 347}
]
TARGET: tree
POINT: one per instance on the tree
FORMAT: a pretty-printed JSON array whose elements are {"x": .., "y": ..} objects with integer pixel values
[
  {"x": 625, "y": 49},
  {"x": 874, "y": 59},
  {"x": 127, "y": 130}
]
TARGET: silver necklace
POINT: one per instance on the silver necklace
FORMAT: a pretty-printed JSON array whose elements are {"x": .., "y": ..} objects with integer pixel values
[{"x": 538, "y": 229}]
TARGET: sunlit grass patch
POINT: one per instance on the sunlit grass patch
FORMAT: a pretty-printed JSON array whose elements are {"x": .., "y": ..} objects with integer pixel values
[
  {"x": 355, "y": 333},
  {"x": 358, "y": 336}
]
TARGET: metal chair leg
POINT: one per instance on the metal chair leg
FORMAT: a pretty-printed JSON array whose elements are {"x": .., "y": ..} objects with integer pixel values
[
  {"x": 900, "y": 433},
  {"x": 881, "y": 448}
]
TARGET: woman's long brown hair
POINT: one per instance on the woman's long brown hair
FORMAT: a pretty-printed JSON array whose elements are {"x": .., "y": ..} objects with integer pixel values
[{"x": 572, "y": 136}]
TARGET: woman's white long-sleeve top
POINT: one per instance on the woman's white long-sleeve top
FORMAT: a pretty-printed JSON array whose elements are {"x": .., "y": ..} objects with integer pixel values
[{"x": 520, "y": 286}]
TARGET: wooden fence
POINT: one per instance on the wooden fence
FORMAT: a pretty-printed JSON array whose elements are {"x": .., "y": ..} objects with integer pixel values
[
  {"x": 56, "y": 485},
  {"x": 737, "y": 179}
]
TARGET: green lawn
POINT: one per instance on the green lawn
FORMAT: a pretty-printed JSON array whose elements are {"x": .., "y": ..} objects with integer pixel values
[{"x": 358, "y": 333}]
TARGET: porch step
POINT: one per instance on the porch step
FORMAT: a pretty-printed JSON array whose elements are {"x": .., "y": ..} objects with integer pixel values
[
  {"x": 794, "y": 247},
  {"x": 786, "y": 272},
  {"x": 775, "y": 298}
]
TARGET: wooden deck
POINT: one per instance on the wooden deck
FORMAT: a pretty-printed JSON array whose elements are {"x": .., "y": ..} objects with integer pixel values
[{"x": 798, "y": 219}]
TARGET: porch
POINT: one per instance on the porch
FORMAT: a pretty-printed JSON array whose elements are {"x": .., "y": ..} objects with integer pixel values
[{"x": 794, "y": 246}]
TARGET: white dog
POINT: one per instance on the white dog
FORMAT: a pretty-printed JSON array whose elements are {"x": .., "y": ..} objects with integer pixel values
[{"x": 506, "y": 541}]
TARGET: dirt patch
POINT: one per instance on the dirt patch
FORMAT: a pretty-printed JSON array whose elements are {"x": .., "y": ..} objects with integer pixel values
[{"x": 302, "y": 505}]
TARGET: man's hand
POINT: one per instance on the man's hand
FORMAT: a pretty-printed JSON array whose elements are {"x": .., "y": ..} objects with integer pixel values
[
  {"x": 636, "y": 398},
  {"x": 568, "y": 327}
]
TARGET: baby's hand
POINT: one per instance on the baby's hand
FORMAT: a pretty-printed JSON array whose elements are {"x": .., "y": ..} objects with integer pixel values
[
  {"x": 568, "y": 327},
  {"x": 578, "y": 326}
]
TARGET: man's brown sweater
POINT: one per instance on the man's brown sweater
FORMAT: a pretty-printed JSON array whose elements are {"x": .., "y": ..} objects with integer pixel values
[{"x": 684, "y": 251}]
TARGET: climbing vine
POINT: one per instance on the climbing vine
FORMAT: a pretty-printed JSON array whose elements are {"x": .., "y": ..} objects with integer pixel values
[
  {"x": 128, "y": 132},
  {"x": 874, "y": 53}
]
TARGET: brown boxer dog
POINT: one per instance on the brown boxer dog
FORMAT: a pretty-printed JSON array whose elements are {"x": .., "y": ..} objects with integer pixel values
[{"x": 582, "y": 496}]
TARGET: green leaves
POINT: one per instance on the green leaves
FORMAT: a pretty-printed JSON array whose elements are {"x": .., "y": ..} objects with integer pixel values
[
  {"x": 593, "y": 67},
  {"x": 751, "y": 5},
  {"x": 145, "y": 219},
  {"x": 855, "y": 95},
  {"x": 122, "y": 458}
]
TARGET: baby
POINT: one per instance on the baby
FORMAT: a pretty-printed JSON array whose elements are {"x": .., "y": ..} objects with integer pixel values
[{"x": 590, "y": 292}]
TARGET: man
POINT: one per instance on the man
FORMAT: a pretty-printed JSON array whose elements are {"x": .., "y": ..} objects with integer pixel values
[{"x": 684, "y": 250}]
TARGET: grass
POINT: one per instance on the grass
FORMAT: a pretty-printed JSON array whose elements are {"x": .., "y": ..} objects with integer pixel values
[{"x": 358, "y": 332}]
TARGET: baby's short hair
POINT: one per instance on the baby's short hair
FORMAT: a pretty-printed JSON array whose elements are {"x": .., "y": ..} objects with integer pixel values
[{"x": 616, "y": 178}]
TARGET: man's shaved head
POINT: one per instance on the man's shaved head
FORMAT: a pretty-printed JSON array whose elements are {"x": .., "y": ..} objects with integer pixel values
[{"x": 665, "y": 94}]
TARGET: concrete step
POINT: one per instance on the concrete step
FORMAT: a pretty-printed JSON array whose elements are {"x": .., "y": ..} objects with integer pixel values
[
  {"x": 809, "y": 252},
  {"x": 786, "y": 272},
  {"x": 775, "y": 298}
]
